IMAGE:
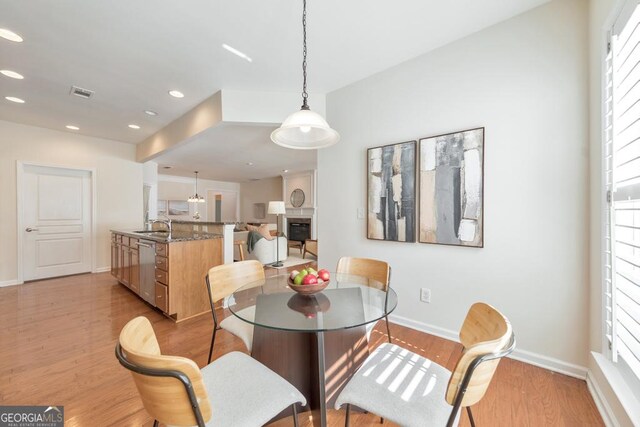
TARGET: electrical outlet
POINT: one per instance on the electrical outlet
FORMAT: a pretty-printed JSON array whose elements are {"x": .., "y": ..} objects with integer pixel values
[
  {"x": 425, "y": 295},
  {"x": 360, "y": 213}
]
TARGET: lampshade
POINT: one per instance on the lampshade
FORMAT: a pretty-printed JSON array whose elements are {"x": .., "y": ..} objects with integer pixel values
[
  {"x": 276, "y": 208},
  {"x": 305, "y": 130},
  {"x": 196, "y": 198}
]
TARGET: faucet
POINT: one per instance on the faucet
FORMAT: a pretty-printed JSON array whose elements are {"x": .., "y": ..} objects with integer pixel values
[{"x": 166, "y": 222}]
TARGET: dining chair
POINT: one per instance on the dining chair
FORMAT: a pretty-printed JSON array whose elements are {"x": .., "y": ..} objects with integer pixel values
[
  {"x": 373, "y": 269},
  {"x": 411, "y": 390},
  {"x": 222, "y": 281},
  {"x": 235, "y": 390}
]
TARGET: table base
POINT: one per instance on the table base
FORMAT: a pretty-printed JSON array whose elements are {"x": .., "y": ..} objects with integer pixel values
[{"x": 318, "y": 364}]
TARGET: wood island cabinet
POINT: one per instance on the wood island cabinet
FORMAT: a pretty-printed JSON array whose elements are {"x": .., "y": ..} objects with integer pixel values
[{"x": 180, "y": 271}]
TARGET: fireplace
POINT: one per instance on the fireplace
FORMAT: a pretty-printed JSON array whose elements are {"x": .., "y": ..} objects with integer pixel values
[{"x": 299, "y": 229}]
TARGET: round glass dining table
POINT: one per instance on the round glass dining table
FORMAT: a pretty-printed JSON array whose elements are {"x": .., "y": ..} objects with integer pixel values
[{"x": 344, "y": 308}]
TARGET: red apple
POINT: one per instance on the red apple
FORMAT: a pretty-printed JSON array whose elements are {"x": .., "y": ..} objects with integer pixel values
[
  {"x": 309, "y": 279},
  {"x": 323, "y": 274}
]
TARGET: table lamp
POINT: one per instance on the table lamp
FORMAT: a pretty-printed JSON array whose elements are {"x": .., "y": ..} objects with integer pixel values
[{"x": 277, "y": 208}]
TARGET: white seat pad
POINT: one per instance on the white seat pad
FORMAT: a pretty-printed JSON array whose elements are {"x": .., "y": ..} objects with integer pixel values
[
  {"x": 240, "y": 328},
  {"x": 244, "y": 392},
  {"x": 400, "y": 386}
]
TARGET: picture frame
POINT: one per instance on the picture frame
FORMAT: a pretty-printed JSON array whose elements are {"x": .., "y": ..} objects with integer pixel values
[
  {"x": 451, "y": 188},
  {"x": 178, "y": 208},
  {"x": 391, "y": 192}
]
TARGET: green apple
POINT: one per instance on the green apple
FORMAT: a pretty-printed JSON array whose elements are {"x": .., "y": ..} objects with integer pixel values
[{"x": 298, "y": 279}]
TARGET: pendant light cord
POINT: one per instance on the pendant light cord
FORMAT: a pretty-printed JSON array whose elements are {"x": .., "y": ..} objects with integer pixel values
[{"x": 304, "y": 56}]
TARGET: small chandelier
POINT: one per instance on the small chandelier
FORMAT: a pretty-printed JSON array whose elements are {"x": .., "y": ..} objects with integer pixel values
[
  {"x": 304, "y": 129},
  {"x": 196, "y": 198}
]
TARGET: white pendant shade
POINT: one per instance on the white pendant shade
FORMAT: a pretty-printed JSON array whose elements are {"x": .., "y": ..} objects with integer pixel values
[
  {"x": 196, "y": 199},
  {"x": 305, "y": 130}
]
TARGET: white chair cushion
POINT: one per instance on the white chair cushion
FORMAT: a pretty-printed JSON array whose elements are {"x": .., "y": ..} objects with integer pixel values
[
  {"x": 240, "y": 328},
  {"x": 244, "y": 392},
  {"x": 400, "y": 386}
]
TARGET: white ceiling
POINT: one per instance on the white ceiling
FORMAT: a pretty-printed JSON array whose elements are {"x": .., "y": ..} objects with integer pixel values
[
  {"x": 222, "y": 154},
  {"x": 132, "y": 52}
]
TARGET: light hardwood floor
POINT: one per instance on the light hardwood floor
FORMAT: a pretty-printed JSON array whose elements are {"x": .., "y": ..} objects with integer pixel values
[{"x": 57, "y": 348}]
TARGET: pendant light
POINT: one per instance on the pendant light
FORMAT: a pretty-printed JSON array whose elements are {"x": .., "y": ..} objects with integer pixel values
[
  {"x": 196, "y": 198},
  {"x": 304, "y": 129}
]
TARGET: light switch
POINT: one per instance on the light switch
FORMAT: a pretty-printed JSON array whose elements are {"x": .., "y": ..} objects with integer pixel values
[{"x": 360, "y": 213}]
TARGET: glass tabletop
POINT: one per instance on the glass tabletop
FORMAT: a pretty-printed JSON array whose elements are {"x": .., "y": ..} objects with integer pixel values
[{"x": 347, "y": 302}]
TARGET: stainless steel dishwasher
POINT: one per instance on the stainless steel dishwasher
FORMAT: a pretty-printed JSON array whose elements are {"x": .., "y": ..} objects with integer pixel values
[{"x": 147, "y": 250}]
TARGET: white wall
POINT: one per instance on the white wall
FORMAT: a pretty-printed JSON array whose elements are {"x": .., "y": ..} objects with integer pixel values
[
  {"x": 526, "y": 81},
  {"x": 118, "y": 183},
  {"x": 180, "y": 188},
  {"x": 261, "y": 191},
  {"x": 150, "y": 178}
]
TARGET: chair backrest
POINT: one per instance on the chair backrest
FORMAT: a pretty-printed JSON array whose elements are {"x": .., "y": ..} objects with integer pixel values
[
  {"x": 485, "y": 331},
  {"x": 371, "y": 268},
  {"x": 164, "y": 397},
  {"x": 223, "y": 280}
]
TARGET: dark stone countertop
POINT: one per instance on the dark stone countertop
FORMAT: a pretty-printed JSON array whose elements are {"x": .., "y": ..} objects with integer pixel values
[{"x": 164, "y": 237}]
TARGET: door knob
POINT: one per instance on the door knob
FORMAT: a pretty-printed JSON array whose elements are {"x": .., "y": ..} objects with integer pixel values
[{"x": 29, "y": 229}]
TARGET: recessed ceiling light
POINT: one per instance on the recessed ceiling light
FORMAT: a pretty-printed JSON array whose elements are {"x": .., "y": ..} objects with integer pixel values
[
  {"x": 14, "y": 99},
  {"x": 249, "y": 163},
  {"x": 166, "y": 167},
  {"x": 72, "y": 127},
  {"x": 285, "y": 170},
  {"x": 150, "y": 112},
  {"x": 12, "y": 74},
  {"x": 176, "y": 94},
  {"x": 10, "y": 35},
  {"x": 236, "y": 52},
  {"x": 134, "y": 126}
]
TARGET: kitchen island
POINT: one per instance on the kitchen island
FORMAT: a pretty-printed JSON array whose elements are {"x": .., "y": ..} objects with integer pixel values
[{"x": 167, "y": 270}]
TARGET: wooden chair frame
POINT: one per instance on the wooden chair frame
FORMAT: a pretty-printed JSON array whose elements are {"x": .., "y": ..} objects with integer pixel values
[
  {"x": 180, "y": 376},
  {"x": 216, "y": 324},
  {"x": 465, "y": 383},
  {"x": 386, "y": 286}
]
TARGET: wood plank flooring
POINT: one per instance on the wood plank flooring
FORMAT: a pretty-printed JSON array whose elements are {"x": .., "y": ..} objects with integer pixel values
[{"x": 57, "y": 348}]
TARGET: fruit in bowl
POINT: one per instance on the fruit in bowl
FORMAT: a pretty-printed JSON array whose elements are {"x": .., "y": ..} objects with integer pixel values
[{"x": 309, "y": 281}]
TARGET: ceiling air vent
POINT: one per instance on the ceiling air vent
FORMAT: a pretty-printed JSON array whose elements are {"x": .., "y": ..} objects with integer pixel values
[{"x": 82, "y": 93}]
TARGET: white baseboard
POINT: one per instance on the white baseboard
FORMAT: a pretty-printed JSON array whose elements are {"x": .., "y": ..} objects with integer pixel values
[
  {"x": 601, "y": 402},
  {"x": 102, "y": 269},
  {"x": 536, "y": 359},
  {"x": 9, "y": 283}
]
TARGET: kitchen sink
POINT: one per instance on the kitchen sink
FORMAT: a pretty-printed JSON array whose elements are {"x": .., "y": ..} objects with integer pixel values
[{"x": 151, "y": 232}]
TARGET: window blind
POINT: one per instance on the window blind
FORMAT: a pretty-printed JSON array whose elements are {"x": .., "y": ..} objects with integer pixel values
[{"x": 622, "y": 178}]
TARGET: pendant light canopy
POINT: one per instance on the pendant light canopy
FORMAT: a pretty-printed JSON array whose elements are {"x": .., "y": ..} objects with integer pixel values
[
  {"x": 304, "y": 129},
  {"x": 196, "y": 198}
]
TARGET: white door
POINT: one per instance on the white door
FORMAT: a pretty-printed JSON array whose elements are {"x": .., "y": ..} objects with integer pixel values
[{"x": 56, "y": 218}]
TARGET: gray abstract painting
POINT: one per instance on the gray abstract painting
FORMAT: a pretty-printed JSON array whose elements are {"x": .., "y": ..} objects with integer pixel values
[
  {"x": 391, "y": 184},
  {"x": 451, "y": 188}
]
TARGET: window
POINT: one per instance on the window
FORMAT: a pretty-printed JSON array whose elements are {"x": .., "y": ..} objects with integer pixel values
[{"x": 622, "y": 180}]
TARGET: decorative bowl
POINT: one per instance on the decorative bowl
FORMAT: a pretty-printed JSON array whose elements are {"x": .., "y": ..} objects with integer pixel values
[{"x": 308, "y": 289}]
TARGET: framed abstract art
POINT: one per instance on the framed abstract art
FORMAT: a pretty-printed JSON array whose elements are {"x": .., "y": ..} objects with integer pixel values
[
  {"x": 451, "y": 189},
  {"x": 391, "y": 192}
]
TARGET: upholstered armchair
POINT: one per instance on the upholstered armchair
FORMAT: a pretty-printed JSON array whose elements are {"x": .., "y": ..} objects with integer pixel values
[{"x": 263, "y": 250}]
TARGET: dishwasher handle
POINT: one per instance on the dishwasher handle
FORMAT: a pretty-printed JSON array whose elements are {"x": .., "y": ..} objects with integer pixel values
[{"x": 143, "y": 244}]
